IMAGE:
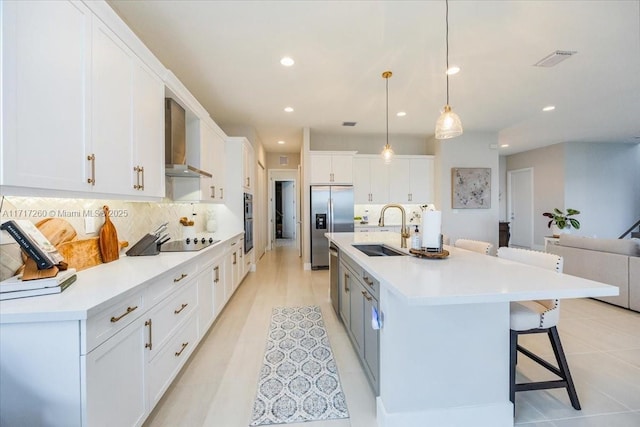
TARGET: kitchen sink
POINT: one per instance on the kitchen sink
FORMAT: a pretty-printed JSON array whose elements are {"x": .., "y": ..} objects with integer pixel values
[{"x": 378, "y": 250}]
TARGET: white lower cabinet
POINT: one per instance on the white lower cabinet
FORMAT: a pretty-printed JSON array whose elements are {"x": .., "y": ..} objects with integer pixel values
[
  {"x": 115, "y": 379},
  {"x": 112, "y": 367},
  {"x": 170, "y": 359}
]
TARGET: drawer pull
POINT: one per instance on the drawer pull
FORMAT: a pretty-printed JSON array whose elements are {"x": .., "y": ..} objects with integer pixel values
[
  {"x": 182, "y": 276},
  {"x": 217, "y": 270},
  {"x": 149, "y": 345},
  {"x": 184, "y": 345},
  {"x": 346, "y": 280},
  {"x": 129, "y": 310},
  {"x": 366, "y": 295},
  {"x": 182, "y": 307},
  {"x": 367, "y": 281}
]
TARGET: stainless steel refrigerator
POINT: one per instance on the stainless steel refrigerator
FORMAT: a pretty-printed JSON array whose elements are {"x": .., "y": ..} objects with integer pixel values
[{"x": 331, "y": 212}]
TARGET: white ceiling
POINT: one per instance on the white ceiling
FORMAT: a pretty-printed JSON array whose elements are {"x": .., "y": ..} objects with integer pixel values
[{"x": 227, "y": 53}]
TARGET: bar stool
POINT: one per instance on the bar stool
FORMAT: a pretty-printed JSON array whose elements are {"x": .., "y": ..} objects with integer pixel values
[
  {"x": 533, "y": 317},
  {"x": 474, "y": 245}
]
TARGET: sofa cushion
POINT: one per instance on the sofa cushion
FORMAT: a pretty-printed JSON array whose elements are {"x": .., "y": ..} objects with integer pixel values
[{"x": 629, "y": 247}]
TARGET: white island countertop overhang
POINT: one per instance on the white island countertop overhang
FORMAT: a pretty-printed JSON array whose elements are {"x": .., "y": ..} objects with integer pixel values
[
  {"x": 444, "y": 330},
  {"x": 464, "y": 277}
]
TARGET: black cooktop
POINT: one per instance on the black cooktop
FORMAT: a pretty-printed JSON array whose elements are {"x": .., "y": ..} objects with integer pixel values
[{"x": 183, "y": 246}]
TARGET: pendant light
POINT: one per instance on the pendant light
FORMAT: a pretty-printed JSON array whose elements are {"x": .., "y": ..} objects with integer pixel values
[
  {"x": 448, "y": 124},
  {"x": 387, "y": 152}
]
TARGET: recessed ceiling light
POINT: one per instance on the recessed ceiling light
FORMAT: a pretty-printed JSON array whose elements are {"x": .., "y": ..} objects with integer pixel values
[
  {"x": 287, "y": 62},
  {"x": 454, "y": 69},
  {"x": 401, "y": 114},
  {"x": 281, "y": 142},
  {"x": 549, "y": 108},
  {"x": 288, "y": 109},
  {"x": 504, "y": 145}
]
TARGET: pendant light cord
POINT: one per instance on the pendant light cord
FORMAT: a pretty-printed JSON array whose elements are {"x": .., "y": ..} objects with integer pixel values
[
  {"x": 387, "y": 79},
  {"x": 447, "y": 37}
]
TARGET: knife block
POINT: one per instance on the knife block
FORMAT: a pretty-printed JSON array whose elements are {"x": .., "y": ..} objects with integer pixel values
[{"x": 145, "y": 246}]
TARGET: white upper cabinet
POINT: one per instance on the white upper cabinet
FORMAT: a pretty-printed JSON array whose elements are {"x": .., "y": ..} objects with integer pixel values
[
  {"x": 331, "y": 168},
  {"x": 127, "y": 120},
  {"x": 411, "y": 179},
  {"x": 212, "y": 158},
  {"x": 45, "y": 70},
  {"x": 112, "y": 108},
  {"x": 370, "y": 180},
  {"x": 82, "y": 112},
  {"x": 247, "y": 167},
  {"x": 148, "y": 132},
  {"x": 206, "y": 151}
]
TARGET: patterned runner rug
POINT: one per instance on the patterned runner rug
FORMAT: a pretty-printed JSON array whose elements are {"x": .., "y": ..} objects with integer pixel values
[{"x": 299, "y": 380}]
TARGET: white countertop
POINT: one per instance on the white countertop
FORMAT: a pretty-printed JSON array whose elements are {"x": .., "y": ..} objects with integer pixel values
[
  {"x": 95, "y": 287},
  {"x": 464, "y": 277}
]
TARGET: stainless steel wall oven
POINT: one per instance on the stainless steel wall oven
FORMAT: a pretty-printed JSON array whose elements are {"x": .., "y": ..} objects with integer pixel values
[{"x": 248, "y": 222}]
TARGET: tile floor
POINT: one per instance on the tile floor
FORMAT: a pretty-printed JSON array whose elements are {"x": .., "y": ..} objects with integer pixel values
[{"x": 217, "y": 386}]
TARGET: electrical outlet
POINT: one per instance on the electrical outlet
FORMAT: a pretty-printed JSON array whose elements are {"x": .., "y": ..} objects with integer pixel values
[{"x": 89, "y": 225}]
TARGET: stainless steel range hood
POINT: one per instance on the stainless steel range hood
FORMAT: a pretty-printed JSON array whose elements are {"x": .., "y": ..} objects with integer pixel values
[{"x": 175, "y": 143}]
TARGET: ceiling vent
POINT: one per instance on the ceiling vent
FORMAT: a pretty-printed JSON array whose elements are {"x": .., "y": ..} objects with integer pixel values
[
  {"x": 284, "y": 160},
  {"x": 555, "y": 58},
  {"x": 352, "y": 124}
]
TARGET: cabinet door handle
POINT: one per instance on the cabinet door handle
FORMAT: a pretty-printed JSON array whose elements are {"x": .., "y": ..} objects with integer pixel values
[
  {"x": 184, "y": 345},
  {"x": 213, "y": 191},
  {"x": 235, "y": 258},
  {"x": 222, "y": 193},
  {"x": 410, "y": 197},
  {"x": 182, "y": 307},
  {"x": 149, "y": 345},
  {"x": 139, "y": 173},
  {"x": 92, "y": 159},
  {"x": 129, "y": 310},
  {"x": 366, "y": 295},
  {"x": 346, "y": 280},
  {"x": 217, "y": 270},
  {"x": 248, "y": 182},
  {"x": 182, "y": 276}
]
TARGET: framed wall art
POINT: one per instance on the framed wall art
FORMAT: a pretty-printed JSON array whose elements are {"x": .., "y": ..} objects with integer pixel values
[{"x": 470, "y": 188}]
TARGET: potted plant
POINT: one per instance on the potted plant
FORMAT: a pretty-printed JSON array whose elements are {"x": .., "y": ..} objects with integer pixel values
[{"x": 560, "y": 222}]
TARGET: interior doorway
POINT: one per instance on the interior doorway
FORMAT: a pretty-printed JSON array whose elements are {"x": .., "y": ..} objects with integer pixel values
[
  {"x": 283, "y": 211},
  {"x": 520, "y": 207}
]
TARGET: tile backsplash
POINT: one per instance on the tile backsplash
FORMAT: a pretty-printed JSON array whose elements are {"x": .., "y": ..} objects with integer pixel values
[{"x": 131, "y": 219}]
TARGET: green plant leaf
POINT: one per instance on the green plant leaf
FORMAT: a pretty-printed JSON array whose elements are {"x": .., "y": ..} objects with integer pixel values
[{"x": 574, "y": 223}]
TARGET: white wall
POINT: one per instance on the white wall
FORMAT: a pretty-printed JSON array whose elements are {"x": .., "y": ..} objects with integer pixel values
[
  {"x": 548, "y": 184},
  {"x": 273, "y": 160},
  {"x": 602, "y": 181},
  {"x": 468, "y": 150}
]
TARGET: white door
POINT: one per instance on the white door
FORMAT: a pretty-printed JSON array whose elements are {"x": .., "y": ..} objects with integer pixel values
[
  {"x": 288, "y": 209},
  {"x": 520, "y": 206}
]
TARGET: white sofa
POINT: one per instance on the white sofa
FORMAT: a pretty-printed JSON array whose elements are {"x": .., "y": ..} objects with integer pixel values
[{"x": 612, "y": 261}]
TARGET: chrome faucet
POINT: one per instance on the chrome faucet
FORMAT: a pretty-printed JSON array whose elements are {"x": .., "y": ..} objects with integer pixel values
[{"x": 404, "y": 230}]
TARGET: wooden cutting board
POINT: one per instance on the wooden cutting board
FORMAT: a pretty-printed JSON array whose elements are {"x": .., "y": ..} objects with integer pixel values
[
  {"x": 56, "y": 230},
  {"x": 109, "y": 248},
  {"x": 82, "y": 254}
]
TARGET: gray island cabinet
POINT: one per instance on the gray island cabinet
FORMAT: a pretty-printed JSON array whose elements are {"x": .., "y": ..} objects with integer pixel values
[
  {"x": 444, "y": 336},
  {"x": 359, "y": 296}
]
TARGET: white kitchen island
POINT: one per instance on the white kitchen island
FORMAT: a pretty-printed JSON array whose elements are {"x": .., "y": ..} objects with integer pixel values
[{"x": 444, "y": 340}]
